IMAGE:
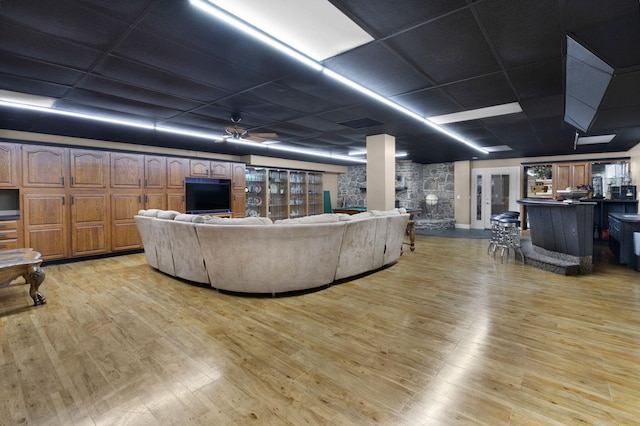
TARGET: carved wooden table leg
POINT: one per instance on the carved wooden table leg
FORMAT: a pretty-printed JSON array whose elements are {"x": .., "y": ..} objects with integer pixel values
[
  {"x": 411, "y": 229},
  {"x": 35, "y": 277},
  {"x": 26, "y": 263}
]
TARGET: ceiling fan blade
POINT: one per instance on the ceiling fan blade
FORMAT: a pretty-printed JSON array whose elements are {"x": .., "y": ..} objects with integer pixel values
[
  {"x": 253, "y": 138},
  {"x": 263, "y": 135},
  {"x": 236, "y": 130}
]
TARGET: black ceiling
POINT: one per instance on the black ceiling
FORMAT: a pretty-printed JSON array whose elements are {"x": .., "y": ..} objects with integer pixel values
[{"x": 166, "y": 61}]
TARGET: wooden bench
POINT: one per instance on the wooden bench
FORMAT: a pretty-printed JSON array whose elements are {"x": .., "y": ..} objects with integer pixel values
[{"x": 23, "y": 262}]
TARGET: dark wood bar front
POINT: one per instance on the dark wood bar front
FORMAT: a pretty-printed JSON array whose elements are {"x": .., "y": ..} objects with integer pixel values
[{"x": 562, "y": 229}]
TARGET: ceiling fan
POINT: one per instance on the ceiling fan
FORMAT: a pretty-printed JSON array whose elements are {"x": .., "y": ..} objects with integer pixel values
[{"x": 237, "y": 132}]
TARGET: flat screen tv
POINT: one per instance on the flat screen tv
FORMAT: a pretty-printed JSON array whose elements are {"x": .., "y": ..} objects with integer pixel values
[{"x": 207, "y": 195}]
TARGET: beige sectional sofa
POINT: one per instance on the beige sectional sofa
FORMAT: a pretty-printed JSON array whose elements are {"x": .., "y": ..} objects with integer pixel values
[{"x": 255, "y": 255}]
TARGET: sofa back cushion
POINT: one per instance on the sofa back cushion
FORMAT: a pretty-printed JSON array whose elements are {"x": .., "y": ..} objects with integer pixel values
[{"x": 253, "y": 221}]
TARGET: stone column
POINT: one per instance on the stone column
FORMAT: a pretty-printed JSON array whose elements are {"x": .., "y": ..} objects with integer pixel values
[{"x": 381, "y": 172}]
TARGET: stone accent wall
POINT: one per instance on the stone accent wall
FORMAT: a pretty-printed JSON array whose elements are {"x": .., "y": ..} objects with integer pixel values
[
  {"x": 350, "y": 187},
  {"x": 419, "y": 180}
]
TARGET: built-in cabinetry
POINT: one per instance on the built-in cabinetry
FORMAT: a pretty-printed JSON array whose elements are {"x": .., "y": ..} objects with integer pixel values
[
  {"x": 283, "y": 194},
  {"x": 570, "y": 175},
  {"x": 76, "y": 202}
]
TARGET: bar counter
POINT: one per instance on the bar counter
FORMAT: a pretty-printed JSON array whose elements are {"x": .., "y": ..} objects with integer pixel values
[{"x": 562, "y": 228}]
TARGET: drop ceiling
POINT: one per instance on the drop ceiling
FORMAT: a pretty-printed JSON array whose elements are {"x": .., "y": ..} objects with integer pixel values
[{"x": 166, "y": 62}]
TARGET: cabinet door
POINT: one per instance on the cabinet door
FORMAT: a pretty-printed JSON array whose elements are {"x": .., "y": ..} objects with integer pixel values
[
  {"x": 89, "y": 224},
  {"x": 199, "y": 168},
  {"x": 154, "y": 171},
  {"x": 154, "y": 201},
  {"x": 43, "y": 166},
  {"x": 176, "y": 172},
  {"x": 581, "y": 174},
  {"x": 238, "y": 203},
  {"x": 124, "y": 232},
  {"x": 45, "y": 224},
  {"x": 126, "y": 170},
  {"x": 562, "y": 177},
  {"x": 220, "y": 169},
  {"x": 88, "y": 168},
  {"x": 8, "y": 166},
  {"x": 238, "y": 179},
  {"x": 176, "y": 202}
]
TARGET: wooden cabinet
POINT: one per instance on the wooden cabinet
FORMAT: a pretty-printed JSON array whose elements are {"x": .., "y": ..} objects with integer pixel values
[
  {"x": 124, "y": 232},
  {"x": 127, "y": 170},
  {"x": 45, "y": 224},
  {"x": 89, "y": 169},
  {"x": 176, "y": 173},
  {"x": 154, "y": 172},
  {"x": 78, "y": 202},
  {"x": 570, "y": 175},
  {"x": 8, "y": 234},
  {"x": 8, "y": 166},
  {"x": 210, "y": 169},
  {"x": 154, "y": 200},
  {"x": 220, "y": 169},
  {"x": 44, "y": 166},
  {"x": 199, "y": 168},
  {"x": 238, "y": 190},
  {"x": 89, "y": 224},
  {"x": 176, "y": 202}
]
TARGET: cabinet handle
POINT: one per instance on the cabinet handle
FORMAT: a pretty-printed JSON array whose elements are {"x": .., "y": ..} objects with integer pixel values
[
  {"x": 138, "y": 182},
  {"x": 73, "y": 200},
  {"x": 72, "y": 181},
  {"x": 4, "y": 225},
  {"x": 139, "y": 199},
  {"x": 183, "y": 183},
  {"x": 183, "y": 198},
  {"x": 62, "y": 181},
  {"x": 146, "y": 199},
  {"x": 3, "y": 235},
  {"x": 145, "y": 182},
  {"x": 63, "y": 200},
  {"x": 3, "y": 245}
]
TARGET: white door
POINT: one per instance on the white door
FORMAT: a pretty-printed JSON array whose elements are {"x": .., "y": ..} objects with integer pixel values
[{"x": 494, "y": 191}]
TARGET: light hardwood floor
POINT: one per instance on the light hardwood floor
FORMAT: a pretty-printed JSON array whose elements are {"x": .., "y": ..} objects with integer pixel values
[{"x": 447, "y": 336}]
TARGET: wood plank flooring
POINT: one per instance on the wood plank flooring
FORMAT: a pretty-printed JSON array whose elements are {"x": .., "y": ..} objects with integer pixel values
[{"x": 447, "y": 336}]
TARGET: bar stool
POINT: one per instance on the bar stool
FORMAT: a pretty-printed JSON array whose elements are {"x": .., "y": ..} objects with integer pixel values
[
  {"x": 496, "y": 230},
  {"x": 509, "y": 237}
]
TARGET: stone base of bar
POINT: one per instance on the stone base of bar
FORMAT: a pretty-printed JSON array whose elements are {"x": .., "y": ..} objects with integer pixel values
[{"x": 559, "y": 263}]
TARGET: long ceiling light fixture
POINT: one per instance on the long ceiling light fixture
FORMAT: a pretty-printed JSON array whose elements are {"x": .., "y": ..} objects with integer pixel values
[
  {"x": 226, "y": 17},
  {"x": 174, "y": 130},
  {"x": 51, "y": 110},
  {"x": 279, "y": 147}
]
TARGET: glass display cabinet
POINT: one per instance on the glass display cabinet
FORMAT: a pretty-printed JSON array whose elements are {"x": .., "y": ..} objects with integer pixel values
[
  {"x": 278, "y": 204},
  {"x": 257, "y": 193},
  {"x": 297, "y": 194},
  {"x": 283, "y": 194},
  {"x": 315, "y": 194}
]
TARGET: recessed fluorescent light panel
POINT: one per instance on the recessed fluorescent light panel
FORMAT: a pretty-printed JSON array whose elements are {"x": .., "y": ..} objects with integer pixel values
[
  {"x": 497, "y": 148},
  {"x": 26, "y": 99},
  {"x": 588, "y": 140},
  {"x": 475, "y": 114},
  {"x": 316, "y": 28}
]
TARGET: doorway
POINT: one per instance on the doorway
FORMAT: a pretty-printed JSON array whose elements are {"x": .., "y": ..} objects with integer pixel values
[{"x": 494, "y": 191}]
